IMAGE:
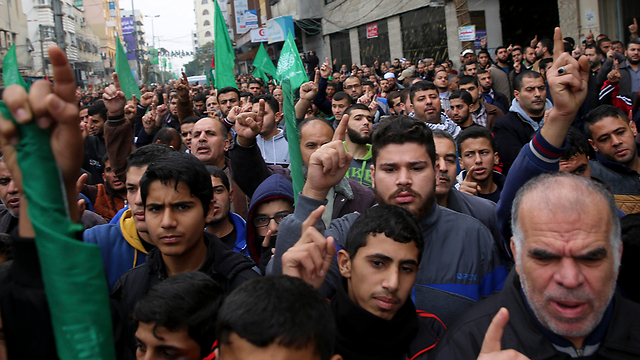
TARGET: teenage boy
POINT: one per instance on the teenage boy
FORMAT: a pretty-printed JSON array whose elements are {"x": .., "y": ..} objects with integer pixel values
[
  {"x": 477, "y": 156},
  {"x": 177, "y": 196},
  {"x": 375, "y": 316},
  {"x": 177, "y": 318}
]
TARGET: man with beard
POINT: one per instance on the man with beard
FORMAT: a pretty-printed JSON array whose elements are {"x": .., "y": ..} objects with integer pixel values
[
  {"x": 425, "y": 99},
  {"x": 529, "y": 57},
  {"x": 358, "y": 143},
  {"x": 228, "y": 98},
  {"x": 482, "y": 114},
  {"x": 525, "y": 117},
  {"x": 460, "y": 263},
  {"x": 489, "y": 95},
  {"x": 171, "y": 120},
  {"x": 346, "y": 196},
  {"x": 594, "y": 55},
  {"x": 484, "y": 60},
  {"x": 560, "y": 301},
  {"x": 629, "y": 69},
  {"x": 461, "y": 108},
  {"x": 500, "y": 72},
  {"x": 441, "y": 81},
  {"x": 229, "y": 227},
  {"x": 544, "y": 50}
]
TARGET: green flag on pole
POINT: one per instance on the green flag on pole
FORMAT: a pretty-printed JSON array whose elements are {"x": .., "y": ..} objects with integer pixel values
[
  {"x": 10, "y": 73},
  {"x": 263, "y": 65},
  {"x": 127, "y": 82},
  {"x": 292, "y": 137},
  {"x": 223, "y": 54},
  {"x": 290, "y": 65},
  {"x": 72, "y": 271}
]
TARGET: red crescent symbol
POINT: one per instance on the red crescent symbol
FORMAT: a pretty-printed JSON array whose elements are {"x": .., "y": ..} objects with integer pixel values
[{"x": 261, "y": 32}]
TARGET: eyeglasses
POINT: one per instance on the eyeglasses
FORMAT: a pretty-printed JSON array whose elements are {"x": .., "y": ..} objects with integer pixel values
[{"x": 264, "y": 220}]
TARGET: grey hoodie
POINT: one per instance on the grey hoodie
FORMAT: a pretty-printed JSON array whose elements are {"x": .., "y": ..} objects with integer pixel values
[
  {"x": 515, "y": 107},
  {"x": 275, "y": 151}
]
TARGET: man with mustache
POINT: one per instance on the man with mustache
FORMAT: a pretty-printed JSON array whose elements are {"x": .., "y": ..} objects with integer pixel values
[
  {"x": 525, "y": 117},
  {"x": 425, "y": 100},
  {"x": 460, "y": 263},
  {"x": 358, "y": 143}
]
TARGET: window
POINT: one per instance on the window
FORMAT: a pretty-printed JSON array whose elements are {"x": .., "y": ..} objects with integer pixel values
[
  {"x": 205, "y": 12},
  {"x": 207, "y": 34},
  {"x": 206, "y": 23},
  {"x": 205, "y": 1}
]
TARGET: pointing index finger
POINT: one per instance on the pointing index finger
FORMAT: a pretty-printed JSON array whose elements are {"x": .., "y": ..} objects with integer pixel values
[
  {"x": 468, "y": 176},
  {"x": 493, "y": 336},
  {"x": 616, "y": 65},
  {"x": 64, "y": 79},
  {"x": 313, "y": 218},
  {"x": 116, "y": 82},
  {"x": 342, "y": 128},
  {"x": 558, "y": 44}
]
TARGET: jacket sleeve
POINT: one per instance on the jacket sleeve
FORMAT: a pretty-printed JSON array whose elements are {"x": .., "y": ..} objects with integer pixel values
[
  {"x": 118, "y": 138},
  {"x": 609, "y": 94},
  {"x": 604, "y": 71},
  {"x": 321, "y": 100},
  {"x": 249, "y": 168},
  {"x": 185, "y": 109},
  {"x": 537, "y": 157},
  {"x": 137, "y": 121}
]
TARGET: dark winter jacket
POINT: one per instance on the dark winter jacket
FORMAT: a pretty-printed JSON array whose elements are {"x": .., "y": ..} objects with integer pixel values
[
  {"x": 624, "y": 182},
  {"x": 460, "y": 263},
  {"x": 94, "y": 150},
  {"x": 618, "y": 334},
  {"x": 227, "y": 267},
  {"x": 362, "y": 335}
]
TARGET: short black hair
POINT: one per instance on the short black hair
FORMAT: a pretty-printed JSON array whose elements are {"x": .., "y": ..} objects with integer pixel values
[
  {"x": 190, "y": 300},
  {"x": 269, "y": 99},
  {"x": 190, "y": 119},
  {"x": 393, "y": 221},
  {"x": 278, "y": 309},
  {"x": 470, "y": 62},
  {"x": 599, "y": 113},
  {"x": 604, "y": 39},
  {"x": 423, "y": 85},
  {"x": 529, "y": 74},
  {"x": 144, "y": 155},
  {"x": 475, "y": 132},
  {"x": 166, "y": 135},
  {"x": 546, "y": 42},
  {"x": 341, "y": 95},
  {"x": 542, "y": 65},
  {"x": 635, "y": 41},
  {"x": 98, "y": 108},
  {"x": 200, "y": 97},
  {"x": 103, "y": 161},
  {"x": 577, "y": 144},
  {"x": 175, "y": 167},
  {"x": 228, "y": 89},
  {"x": 466, "y": 79},
  {"x": 402, "y": 129},
  {"x": 254, "y": 81},
  {"x": 463, "y": 95},
  {"x": 500, "y": 47},
  {"x": 570, "y": 40},
  {"x": 356, "y": 107},
  {"x": 216, "y": 172}
]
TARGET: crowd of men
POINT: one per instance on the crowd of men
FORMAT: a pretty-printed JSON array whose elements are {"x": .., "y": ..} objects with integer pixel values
[{"x": 446, "y": 214}]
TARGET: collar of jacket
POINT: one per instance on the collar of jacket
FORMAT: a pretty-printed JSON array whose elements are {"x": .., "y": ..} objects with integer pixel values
[
  {"x": 362, "y": 335},
  {"x": 616, "y": 166}
]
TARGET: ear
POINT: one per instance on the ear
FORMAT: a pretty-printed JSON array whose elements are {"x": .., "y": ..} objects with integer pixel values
[
  {"x": 227, "y": 143},
  {"x": 516, "y": 94},
  {"x": 334, "y": 357},
  {"x": 373, "y": 176},
  {"x": 634, "y": 128},
  {"x": 103, "y": 177},
  {"x": 344, "y": 264},
  {"x": 593, "y": 145},
  {"x": 471, "y": 107},
  {"x": 512, "y": 244},
  {"x": 216, "y": 351},
  {"x": 209, "y": 216},
  {"x": 461, "y": 164},
  {"x": 278, "y": 117},
  {"x": 496, "y": 158}
]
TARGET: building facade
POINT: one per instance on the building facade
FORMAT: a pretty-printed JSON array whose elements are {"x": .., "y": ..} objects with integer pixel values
[{"x": 13, "y": 30}]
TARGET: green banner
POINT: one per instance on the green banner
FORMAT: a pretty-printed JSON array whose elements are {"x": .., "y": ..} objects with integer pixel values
[
  {"x": 72, "y": 271},
  {"x": 10, "y": 73},
  {"x": 292, "y": 137},
  {"x": 290, "y": 65},
  {"x": 263, "y": 65},
  {"x": 125, "y": 75},
  {"x": 224, "y": 55}
]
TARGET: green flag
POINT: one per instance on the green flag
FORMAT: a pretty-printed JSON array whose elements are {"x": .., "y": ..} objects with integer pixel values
[
  {"x": 263, "y": 65},
  {"x": 224, "y": 55},
  {"x": 127, "y": 82},
  {"x": 72, "y": 271},
  {"x": 292, "y": 137},
  {"x": 10, "y": 73},
  {"x": 290, "y": 65}
]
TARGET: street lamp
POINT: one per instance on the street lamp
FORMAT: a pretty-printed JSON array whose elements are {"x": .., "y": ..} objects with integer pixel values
[{"x": 153, "y": 38}]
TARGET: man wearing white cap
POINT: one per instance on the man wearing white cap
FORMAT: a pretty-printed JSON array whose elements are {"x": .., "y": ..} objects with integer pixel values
[{"x": 465, "y": 56}]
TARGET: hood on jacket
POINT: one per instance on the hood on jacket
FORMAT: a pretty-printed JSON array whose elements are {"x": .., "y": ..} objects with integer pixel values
[
  {"x": 515, "y": 107},
  {"x": 274, "y": 187}
]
